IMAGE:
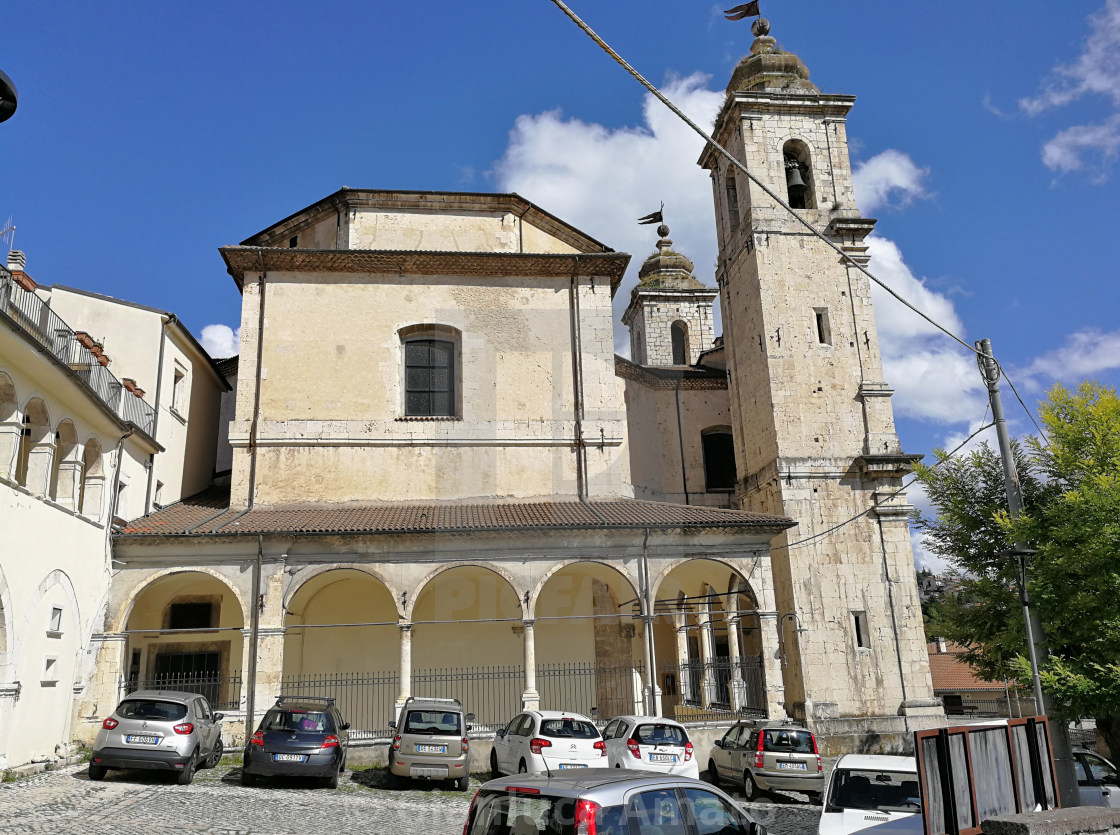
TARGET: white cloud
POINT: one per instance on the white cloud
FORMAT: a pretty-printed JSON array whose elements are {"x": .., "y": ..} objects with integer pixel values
[
  {"x": 1084, "y": 354},
  {"x": 221, "y": 340},
  {"x": 886, "y": 175},
  {"x": 603, "y": 180},
  {"x": 1096, "y": 71}
]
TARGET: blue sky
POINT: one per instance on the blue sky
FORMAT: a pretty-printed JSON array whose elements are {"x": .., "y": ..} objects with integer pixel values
[{"x": 985, "y": 139}]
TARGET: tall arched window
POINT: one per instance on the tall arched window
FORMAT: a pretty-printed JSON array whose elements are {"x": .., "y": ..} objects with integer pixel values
[
  {"x": 93, "y": 481},
  {"x": 799, "y": 175},
  {"x": 732, "y": 201},
  {"x": 10, "y": 426},
  {"x": 679, "y": 333},
  {"x": 431, "y": 370},
  {"x": 65, "y": 469},
  {"x": 719, "y": 458},
  {"x": 33, "y": 466}
]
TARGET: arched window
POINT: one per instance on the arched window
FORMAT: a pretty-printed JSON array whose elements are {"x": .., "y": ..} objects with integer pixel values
[
  {"x": 93, "y": 481},
  {"x": 732, "y": 201},
  {"x": 33, "y": 466},
  {"x": 719, "y": 459},
  {"x": 64, "y": 467},
  {"x": 799, "y": 175},
  {"x": 10, "y": 427},
  {"x": 679, "y": 333},
  {"x": 431, "y": 370}
]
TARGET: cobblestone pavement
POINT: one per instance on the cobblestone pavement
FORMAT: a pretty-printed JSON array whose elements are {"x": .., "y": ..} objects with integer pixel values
[{"x": 140, "y": 802}]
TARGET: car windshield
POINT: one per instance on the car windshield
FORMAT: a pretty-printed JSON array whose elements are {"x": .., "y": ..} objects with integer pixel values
[
  {"x": 432, "y": 722},
  {"x": 499, "y": 813},
  {"x": 294, "y": 719},
  {"x": 659, "y": 735},
  {"x": 886, "y": 791},
  {"x": 574, "y": 728},
  {"x": 151, "y": 709},
  {"x": 786, "y": 741}
]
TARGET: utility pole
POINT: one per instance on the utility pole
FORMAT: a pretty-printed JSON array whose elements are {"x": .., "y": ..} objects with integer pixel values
[{"x": 1059, "y": 731}]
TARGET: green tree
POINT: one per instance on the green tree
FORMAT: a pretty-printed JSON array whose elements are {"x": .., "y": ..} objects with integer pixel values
[{"x": 1071, "y": 498}]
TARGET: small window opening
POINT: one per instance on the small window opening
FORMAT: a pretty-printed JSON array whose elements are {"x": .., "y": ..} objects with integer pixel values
[
  {"x": 429, "y": 378},
  {"x": 56, "y": 620},
  {"x": 50, "y": 670},
  {"x": 178, "y": 391},
  {"x": 191, "y": 616},
  {"x": 863, "y": 637},
  {"x": 732, "y": 201},
  {"x": 679, "y": 335},
  {"x": 719, "y": 460},
  {"x": 824, "y": 332},
  {"x": 293, "y": 242},
  {"x": 157, "y": 499}
]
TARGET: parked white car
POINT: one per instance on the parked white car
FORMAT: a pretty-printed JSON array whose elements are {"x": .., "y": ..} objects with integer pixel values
[
  {"x": 867, "y": 790},
  {"x": 1096, "y": 780},
  {"x": 650, "y": 744},
  {"x": 547, "y": 741}
]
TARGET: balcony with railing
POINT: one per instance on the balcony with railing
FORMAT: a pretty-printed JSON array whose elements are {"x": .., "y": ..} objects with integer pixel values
[{"x": 35, "y": 318}]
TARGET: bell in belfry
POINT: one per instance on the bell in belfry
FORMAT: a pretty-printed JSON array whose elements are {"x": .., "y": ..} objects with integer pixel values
[{"x": 793, "y": 178}]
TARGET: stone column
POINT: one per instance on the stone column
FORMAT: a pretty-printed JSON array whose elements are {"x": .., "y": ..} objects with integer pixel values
[
  {"x": 772, "y": 665},
  {"x": 707, "y": 677},
  {"x": 685, "y": 687},
  {"x": 530, "y": 699},
  {"x": 9, "y": 447},
  {"x": 69, "y": 484},
  {"x": 93, "y": 497},
  {"x": 405, "y": 666},
  {"x": 104, "y": 690},
  {"x": 737, "y": 688}
]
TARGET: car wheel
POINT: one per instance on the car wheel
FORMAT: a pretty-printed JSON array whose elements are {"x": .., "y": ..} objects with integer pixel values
[
  {"x": 97, "y": 772},
  {"x": 494, "y": 772},
  {"x": 750, "y": 790},
  {"x": 332, "y": 781},
  {"x": 248, "y": 779},
  {"x": 216, "y": 754},
  {"x": 187, "y": 774},
  {"x": 521, "y": 769},
  {"x": 713, "y": 773},
  {"x": 462, "y": 783}
]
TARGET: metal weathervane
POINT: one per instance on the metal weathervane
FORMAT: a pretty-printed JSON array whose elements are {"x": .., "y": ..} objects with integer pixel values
[
  {"x": 744, "y": 11},
  {"x": 653, "y": 217}
]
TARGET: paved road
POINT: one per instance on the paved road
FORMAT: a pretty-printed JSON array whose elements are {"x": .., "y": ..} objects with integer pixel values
[{"x": 148, "y": 802}]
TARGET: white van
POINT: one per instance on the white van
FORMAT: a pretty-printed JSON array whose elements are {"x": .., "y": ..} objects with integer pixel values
[{"x": 868, "y": 790}]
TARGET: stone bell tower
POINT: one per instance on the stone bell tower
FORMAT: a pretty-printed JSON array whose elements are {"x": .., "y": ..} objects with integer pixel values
[{"x": 811, "y": 415}]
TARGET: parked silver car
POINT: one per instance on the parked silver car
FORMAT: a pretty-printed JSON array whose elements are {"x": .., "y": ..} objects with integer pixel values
[
  {"x": 160, "y": 729},
  {"x": 604, "y": 802},
  {"x": 765, "y": 755},
  {"x": 430, "y": 742}
]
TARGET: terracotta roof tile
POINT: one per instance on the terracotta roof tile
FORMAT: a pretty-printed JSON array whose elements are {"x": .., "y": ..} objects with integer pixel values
[
  {"x": 950, "y": 672},
  {"x": 202, "y": 515}
]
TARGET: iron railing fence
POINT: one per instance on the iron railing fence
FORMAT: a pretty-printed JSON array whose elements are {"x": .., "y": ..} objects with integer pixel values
[
  {"x": 366, "y": 700},
  {"x": 710, "y": 691},
  {"x": 223, "y": 692},
  {"x": 492, "y": 694},
  {"x": 580, "y": 686},
  {"x": 35, "y": 318}
]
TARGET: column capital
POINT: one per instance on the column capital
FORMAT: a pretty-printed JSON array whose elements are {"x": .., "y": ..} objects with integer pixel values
[
  {"x": 109, "y": 637},
  {"x": 768, "y": 615},
  {"x": 404, "y": 627},
  {"x": 528, "y": 622}
]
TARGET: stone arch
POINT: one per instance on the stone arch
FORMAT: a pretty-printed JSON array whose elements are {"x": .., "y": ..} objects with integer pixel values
[
  {"x": 309, "y": 573},
  {"x": 535, "y": 592},
  {"x": 655, "y": 586},
  {"x": 682, "y": 348},
  {"x": 92, "y": 486},
  {"x": 797, "y": 157},
  {"x": 443, "y": 569},
  {"x": 120, "y": 621},
  {"x": 8, "y": 400},
  {"x": 35, "y": 452},
  {"x": 10, "y": 426}
]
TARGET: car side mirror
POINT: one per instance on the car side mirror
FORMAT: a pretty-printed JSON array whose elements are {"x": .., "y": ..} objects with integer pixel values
[
  {"x": 345, "y": 726},
  {"x": 392, "y": 725},
  {"x": 218, "y": 717},
  {"x": 501, "y": 732},
  {"x": 719, "y": 743}
]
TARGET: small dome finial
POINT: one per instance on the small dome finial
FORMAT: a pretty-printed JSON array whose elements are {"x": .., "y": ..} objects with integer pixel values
[
  {"x": 760, "y": 27},
  {"x": 663, "y": 231}
]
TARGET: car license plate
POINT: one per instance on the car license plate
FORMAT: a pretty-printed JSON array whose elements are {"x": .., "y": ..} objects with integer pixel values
[
  {"x": 662, "y": 758},
  {"x": 573, "y": 765},
  {"x": 289, "y": 758},
  {"x": 141, "y": 739},
  {"x": 791, "y": 766},
  {"x": 431, "y": 749}
]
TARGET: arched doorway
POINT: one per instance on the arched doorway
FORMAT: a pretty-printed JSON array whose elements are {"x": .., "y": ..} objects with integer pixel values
[
  {"x": 185, "y": 633},
  {"x": 589, "y": 644},
  {"x": 467, "y": 642},
  {"x": 341, "y": 640},
  {"x": 708, "y": 642}
]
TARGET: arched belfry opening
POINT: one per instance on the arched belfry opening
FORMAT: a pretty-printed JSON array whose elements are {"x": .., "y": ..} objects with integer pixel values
[
  {"x": 679, "y": 335},
  {"x": 799, "y": 175}
]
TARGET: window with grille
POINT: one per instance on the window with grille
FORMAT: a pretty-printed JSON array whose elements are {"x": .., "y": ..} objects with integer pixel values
[{"x": 429, "y": 378}]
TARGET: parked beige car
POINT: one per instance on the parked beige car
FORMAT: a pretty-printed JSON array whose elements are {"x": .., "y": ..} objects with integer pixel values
[
  {"x": 431, "y": 742},
  {"x": 764, "y": 756}
]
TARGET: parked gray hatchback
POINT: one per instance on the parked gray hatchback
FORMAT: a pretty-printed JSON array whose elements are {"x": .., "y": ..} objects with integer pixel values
[
  {"x": 160, "y": 729},
  {"x": 605, "y": 802}
]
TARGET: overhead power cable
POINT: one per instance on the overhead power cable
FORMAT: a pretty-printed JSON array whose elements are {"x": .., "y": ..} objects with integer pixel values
[
  {"x": 731, "y": 158},
  {"x": 1015, "y": 391}
]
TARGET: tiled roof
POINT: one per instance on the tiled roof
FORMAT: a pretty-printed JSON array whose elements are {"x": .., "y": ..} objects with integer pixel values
[
  {"x": 950, "y": 672},
  {"x": 208, "y": 514},
  {"x": 687, "y": 377},
  {"x": 227, "y": 367}
]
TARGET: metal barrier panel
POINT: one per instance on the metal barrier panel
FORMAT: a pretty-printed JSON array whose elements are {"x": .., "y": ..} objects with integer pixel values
[
  {"x": 366, "y": 700},
  {"x": 492, "y": 694},
  {"x": 713, "y": 691},
  {"x": 223, "y": 692},
  {"x": 578, "y": 687}
]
